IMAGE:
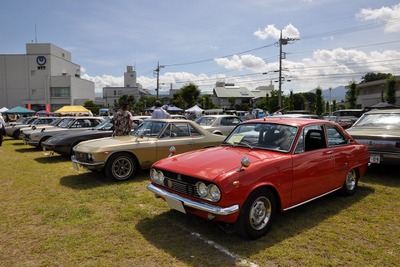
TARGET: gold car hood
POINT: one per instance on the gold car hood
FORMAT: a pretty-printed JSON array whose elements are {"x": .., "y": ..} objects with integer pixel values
[{"x": 110, "y": 143}]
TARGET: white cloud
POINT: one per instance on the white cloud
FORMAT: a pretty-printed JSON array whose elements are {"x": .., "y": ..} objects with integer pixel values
[
  {"x": 270, "y": 31},
  {"x": 104, "y": 81},
  {"x": 325, "y": 68},
  {"x": 250, "y": 62},
  {"x": 390, "y": 15}
]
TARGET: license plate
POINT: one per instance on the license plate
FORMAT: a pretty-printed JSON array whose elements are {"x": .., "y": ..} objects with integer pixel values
[
  {"x": 175, "y": 204},
  {"x": 75, "y": 166},
  {"x": 375, "y": 158}
]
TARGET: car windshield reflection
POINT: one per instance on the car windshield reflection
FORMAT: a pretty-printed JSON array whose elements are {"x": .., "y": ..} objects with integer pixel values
[
  {"x": 379, "y": 120},
  {"x": 149, "y": 129},
  {"x": 270, "y": 136},
  {"x": 105, "y": 125}
]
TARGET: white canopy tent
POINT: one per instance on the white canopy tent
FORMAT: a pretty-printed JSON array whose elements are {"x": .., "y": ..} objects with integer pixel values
[
  {"x": 3, "y": 109},
  {"x": 196, "y": 109}
]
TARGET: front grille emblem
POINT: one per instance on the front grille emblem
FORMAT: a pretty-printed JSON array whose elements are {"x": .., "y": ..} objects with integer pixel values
[{"x": 179, "y": 178}]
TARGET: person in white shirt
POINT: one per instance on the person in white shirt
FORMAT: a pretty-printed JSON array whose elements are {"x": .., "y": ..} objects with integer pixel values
[
  {"x": 250, "y": 115},
  {"x": 277, "y": 111},
  {"x": 159, "y": 112}
]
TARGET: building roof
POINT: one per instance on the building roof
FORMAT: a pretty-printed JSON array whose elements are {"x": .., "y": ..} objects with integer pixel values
[{"x": 233, "y": 91}]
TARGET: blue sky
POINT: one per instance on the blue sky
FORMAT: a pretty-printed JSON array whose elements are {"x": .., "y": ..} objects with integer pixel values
[{"x": 206, "y": 41}]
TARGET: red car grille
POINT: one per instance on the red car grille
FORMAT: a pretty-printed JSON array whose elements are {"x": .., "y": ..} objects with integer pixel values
[{"x": 181, "y": 183}]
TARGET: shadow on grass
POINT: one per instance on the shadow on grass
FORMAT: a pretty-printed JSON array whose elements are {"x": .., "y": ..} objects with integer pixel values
[
  {"x": 56, "y": 158},
  {"x": 386, "y": 175},
  {"x": 172, "y": 227},
  {"x": 90, "y": 180},
  {"x": 26, "y": 149},
  {"x": 18, "y": 143}
]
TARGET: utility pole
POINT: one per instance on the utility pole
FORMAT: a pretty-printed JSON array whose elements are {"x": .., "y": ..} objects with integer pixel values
[
  {"x": 282, "y": 55},
  {"x": 158, "y": 76}
]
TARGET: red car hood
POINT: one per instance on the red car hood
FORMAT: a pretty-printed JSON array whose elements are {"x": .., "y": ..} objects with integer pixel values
[{"x": 212, "y": 162}]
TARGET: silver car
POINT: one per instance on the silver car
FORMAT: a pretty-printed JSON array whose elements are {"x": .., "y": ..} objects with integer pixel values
[
  {"x": 36, "y": 137},
  {"x": 219, "y": 124},
  {"x": 379, "y": 130}
]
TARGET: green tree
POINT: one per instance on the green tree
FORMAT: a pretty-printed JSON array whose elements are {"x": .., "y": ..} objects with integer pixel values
[
  {"x": 370, "y": 77},
  {"x": 319, "y": 104},
  {"x": 93, "y": 107},
  {"x": 351, "y": 94},
  {"x": 334, "y": 105},
  {"x": 232, "y": 101},
  {"x": 128, "y": 99},
  {"x": 187, "y": 96},
  {"x": 207, "y": 102},
  {"x": 299, "y": 101},
  {"x": 311, "y": 99},
  {"x": 391, "y": 90},
  {"x": 291, "y": 101}
]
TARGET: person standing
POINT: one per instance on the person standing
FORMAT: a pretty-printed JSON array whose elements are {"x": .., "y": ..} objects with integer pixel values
[
  {"x": 2, "y": 128},
  {"x": 123, "y": 120},
  {"x": 250, "y": 115},
  {"x": 277, "y": 111},
  {"x": 159, "y": 112}
]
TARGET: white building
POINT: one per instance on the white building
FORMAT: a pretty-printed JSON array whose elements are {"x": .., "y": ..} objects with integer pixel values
[
  {"x": 43, "y": 77},
  {"x": 223, "y": 92},
  {"x": 111, "y": 95}
]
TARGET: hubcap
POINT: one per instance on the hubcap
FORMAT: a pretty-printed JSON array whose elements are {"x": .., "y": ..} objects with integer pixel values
[
  {"x": 351, "y": 180},
  {"x": 260, "y": 213}
]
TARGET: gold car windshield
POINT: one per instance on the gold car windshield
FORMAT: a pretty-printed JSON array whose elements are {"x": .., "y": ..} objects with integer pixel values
[{"x": 150, "y": 128}]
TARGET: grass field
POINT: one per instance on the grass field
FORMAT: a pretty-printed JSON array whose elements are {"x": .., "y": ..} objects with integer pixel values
[{"x": 51, "y": 215}]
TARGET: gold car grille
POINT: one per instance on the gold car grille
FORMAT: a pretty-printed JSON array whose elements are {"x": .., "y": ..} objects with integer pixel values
[{"x": 82, "y": 157}]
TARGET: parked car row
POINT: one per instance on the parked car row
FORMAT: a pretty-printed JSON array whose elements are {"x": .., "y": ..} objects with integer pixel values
[{"x": 236, "y": 173}]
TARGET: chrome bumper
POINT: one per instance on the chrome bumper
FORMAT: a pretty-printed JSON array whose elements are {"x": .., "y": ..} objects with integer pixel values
[
  {"x": 86, "y": 164},
  {"x": 193, "y": 204}
]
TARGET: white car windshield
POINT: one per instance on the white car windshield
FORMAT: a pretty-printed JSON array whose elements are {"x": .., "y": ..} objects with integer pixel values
[
  {"x": 205, "y": 120},
  {"x": 269, "y": 136}
]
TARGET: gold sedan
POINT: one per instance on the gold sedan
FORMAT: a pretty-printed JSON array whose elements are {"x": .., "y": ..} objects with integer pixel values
[{"x": 122, "y": 156}]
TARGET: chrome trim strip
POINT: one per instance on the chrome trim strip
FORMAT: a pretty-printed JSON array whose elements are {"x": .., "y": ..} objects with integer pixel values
[
  {"x": 194, "y": 204},
  {"x": 327, "y": 193}
]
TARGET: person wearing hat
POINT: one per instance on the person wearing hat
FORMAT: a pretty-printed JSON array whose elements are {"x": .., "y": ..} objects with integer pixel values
[
  {"x": 123, "y": 120},
  {"x": 159, "y": 112}
]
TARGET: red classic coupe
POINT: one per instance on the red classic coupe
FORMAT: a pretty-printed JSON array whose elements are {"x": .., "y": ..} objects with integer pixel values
[{"x": 264, "y": 166}]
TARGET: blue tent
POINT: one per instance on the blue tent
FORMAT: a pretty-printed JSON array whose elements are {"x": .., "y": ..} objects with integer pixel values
[
  {"x": 21, "y": 111},
  {"x": 44, "y": 113}
]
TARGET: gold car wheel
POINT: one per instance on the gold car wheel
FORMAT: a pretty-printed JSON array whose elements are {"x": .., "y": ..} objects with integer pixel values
[{"x": 121, "y": 167}]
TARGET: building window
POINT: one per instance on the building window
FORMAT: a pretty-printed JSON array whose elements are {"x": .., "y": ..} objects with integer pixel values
[
  {"x": 33, "y": 91},
  {"x": 33, "y": 72},
  {"x": 59, "y": 92}
]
